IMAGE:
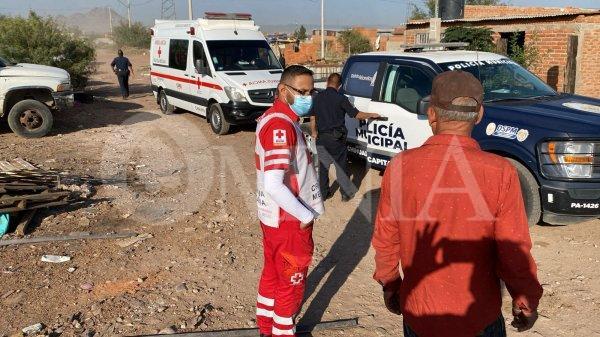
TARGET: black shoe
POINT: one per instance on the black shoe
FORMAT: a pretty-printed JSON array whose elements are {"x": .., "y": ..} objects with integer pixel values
[{"x": 262, "y": 335}]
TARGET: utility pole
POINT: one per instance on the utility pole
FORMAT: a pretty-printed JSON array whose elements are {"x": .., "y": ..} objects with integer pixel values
[
  {"x": 128, "y": 6},
  {"x": 110, "y": 19},
  {"x": 190, "y": 12},
  {"x": 437, "y": 9},
  {"x": 322, "y": 29},
  {"x": 129, "y": 12}
]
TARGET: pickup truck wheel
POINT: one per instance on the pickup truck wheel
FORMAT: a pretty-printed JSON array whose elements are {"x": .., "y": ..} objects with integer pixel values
[
  {"x": 217, "y": 120},
  {"x": 165, "y": 106},
  {"x": 30, "y": 119},
  {"x": 531, "y": 193}
]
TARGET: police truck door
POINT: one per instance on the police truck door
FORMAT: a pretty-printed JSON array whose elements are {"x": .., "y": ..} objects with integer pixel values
[{"x": 403, "y": 85}]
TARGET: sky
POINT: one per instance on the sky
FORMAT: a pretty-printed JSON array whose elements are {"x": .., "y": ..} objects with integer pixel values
[{"x": 338, "y": 13}]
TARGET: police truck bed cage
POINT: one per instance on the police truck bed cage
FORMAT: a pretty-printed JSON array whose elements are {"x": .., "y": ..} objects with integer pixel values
[
  {"x": 435, "y": 46},
  {"x": 227, "y": 16}
]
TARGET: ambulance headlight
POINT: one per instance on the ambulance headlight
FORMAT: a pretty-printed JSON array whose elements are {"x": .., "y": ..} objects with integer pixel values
[
  {"x": 570, "y": 159},
  {"x": 235, "y": 94}
]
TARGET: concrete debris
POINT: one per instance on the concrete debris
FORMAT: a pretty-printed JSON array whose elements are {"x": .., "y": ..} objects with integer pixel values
[
  {"x": 33, "y": 329},
  {"x": 131, "y": 241},
  {"x": 55, "y": 258}
]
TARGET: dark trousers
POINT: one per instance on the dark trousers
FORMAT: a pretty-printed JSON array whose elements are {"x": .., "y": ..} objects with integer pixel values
[
  {"x": 124, "y": 84},
  {"x": 496, "y": 329},
  {"x": 333, "y": 151}
]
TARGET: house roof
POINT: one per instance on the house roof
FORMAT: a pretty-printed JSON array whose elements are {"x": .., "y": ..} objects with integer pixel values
[{"x": 514, "y": 17}]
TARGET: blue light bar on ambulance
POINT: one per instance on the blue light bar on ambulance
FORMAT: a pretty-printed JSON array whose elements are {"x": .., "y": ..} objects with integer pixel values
[{"x": 227, "y": 16}]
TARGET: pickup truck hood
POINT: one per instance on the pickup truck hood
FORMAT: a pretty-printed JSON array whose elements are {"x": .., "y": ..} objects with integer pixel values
[
  {"x": 571, "y": 114},
  {"x": 252, "y": 80},
  {"x": 34, "y": 70}
]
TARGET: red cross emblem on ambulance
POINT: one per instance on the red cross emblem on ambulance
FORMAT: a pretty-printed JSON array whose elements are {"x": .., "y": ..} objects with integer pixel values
[
  {"x": 279, "y": 137},
  {"x": 159, "y": 51}
]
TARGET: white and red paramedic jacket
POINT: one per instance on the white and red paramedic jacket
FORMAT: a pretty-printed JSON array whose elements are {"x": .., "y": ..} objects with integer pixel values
[{"x": 280, "y": 146}]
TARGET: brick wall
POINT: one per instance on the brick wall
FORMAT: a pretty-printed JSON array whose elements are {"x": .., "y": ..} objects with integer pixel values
[
  {"x": 588, "y": 67},
  {"x": 473, "y": 11}
]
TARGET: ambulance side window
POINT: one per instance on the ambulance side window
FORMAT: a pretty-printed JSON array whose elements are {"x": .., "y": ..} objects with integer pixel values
[
  {"x": 200, "y": 54},
  {"x": 178, "y": 54},
  {"x": 405, "y": 86}
]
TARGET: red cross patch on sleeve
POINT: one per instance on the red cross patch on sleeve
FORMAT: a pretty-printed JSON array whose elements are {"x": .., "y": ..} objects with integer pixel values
[{"x": 279, "y": 137}]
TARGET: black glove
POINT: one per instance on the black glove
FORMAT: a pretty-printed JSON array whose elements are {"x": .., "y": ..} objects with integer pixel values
[{"x": 390, "y": 296}]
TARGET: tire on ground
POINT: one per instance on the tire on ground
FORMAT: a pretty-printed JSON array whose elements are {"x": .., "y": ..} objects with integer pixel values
[
  {"x": 217, "y": 120},
  {"x": 163, "y": 102},
  {"x": 531, "y": 192},
  {"x": 41, "y": 119}
]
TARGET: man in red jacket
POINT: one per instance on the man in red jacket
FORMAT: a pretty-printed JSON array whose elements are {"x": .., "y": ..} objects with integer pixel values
[{"x": 452, "y": 216}]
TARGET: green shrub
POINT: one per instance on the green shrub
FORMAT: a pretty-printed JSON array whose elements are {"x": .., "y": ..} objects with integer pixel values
[
  {"x": 43, "y": 41},
  {"x": 479, "y": 39},
  {"x": 137, "y": 36},
  {"x": 354, "y": 42}
]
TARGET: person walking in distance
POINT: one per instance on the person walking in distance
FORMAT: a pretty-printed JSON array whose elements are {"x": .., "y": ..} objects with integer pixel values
[
  {"x": 328, "y": 127},
  {"x": 123, "y": 69},
  {"x": 452, "y": 216},
  {"x": 288, "y": 201}
]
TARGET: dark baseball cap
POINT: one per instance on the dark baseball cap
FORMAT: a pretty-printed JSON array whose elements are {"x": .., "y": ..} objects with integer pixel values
[{"x": 451, "y": 85}]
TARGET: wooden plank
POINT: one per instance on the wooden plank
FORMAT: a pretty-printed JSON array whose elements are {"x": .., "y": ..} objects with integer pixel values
[
  {"x": 26, "y": 217},
  {"x": 571, "y": 66},
  {"x": 340, "y": 324},
  {"x": 24, "y": 164},
  {"x": 73, "y": 236}
]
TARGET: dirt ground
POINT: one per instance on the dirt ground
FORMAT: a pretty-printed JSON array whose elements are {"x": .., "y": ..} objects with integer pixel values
[{"x": 199, "y": 270}]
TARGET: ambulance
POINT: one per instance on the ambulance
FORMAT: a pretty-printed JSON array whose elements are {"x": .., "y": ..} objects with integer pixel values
[
  {"x": 220, "y": 67},
  {"x": 552, "y": 138}
]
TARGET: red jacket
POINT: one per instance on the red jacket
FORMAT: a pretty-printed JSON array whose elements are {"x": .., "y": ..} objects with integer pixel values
[{"x": 452, "y": 216}]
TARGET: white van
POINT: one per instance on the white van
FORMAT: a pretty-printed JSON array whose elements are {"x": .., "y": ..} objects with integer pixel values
[{"x": 220, "y": 67}]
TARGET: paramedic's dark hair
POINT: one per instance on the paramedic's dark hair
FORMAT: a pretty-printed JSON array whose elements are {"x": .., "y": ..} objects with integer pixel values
[
  {"x": 120, "y": 52},
  {"x": 293, "y": 71},
  {"x": 334, "y": 79}
]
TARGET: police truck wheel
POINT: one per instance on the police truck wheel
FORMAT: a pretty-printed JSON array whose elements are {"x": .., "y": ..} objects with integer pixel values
[
  {"x": 30, "y": 119},
  {"x": 165, "y": 106},
  {"x": 531, "y": 193},
  {"x": 217, "y": 120}
]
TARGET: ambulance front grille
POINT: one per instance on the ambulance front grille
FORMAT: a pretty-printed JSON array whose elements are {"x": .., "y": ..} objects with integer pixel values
[{"x": 262, "y": 95}]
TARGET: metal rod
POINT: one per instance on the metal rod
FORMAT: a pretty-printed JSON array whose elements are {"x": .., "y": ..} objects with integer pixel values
[
  {"x": 322, "y": 29},
  {"x": 78, "y": 236},
  {"x": 190, "y": 12},
  {"x": 344, "y": 323}
]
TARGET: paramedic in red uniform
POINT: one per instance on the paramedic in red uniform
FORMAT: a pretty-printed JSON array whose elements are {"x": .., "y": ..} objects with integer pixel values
[
  {"x": 289, "y": 200},
  {"x": 452, "y": 217}
]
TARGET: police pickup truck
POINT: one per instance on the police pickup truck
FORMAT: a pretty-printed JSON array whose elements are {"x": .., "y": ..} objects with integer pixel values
[
  {"x": 28, "y": 95},
  {"x": 552, "y": 139}
]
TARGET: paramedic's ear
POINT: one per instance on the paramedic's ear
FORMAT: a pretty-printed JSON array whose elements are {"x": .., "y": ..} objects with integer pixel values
[
  {"x": 480, "y": 115},
  {"x": 432, "y": 118},
  {"x": 283, "y": 94}
]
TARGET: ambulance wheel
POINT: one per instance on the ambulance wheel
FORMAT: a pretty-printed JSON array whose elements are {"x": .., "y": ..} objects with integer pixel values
[
  {"x": 217, "y": 120},
  {"x": 165, "y": 106},
  {"x": 30, "y": 119},
  {"x": 531, "y": 193}
]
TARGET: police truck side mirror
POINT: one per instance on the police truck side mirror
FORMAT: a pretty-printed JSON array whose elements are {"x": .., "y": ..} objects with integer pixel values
[{"x": 423, "y": 105}]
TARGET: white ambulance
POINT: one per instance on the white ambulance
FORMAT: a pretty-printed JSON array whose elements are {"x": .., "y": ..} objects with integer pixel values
[{"x": 220, "y": 67}]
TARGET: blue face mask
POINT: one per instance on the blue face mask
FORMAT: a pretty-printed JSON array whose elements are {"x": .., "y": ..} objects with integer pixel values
[{"x": 302, "y": 105}]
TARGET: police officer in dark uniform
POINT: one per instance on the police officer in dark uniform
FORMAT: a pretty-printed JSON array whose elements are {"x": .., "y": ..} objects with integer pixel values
[
  {"x": 123, "y": 69},
  {"x": 328, "y": 127}
]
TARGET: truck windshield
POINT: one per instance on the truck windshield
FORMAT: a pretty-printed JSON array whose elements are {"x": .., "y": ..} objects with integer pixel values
[
  {"x": 238, "y": 55},
  {"x": 503, "y": 79},
  {"x": 4, "y": 62}
]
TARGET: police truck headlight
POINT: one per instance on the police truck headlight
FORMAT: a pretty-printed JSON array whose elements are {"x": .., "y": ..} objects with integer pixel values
[
  {"x": 65, "y": 86},
  {"x": 235, "y": 94},
  {"x": 570, "y": 159}
]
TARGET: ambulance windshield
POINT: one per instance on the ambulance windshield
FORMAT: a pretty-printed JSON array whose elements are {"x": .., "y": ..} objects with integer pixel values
[
  {"x": 242, "y": 55},
  {"x": 503, "y": 79}
]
